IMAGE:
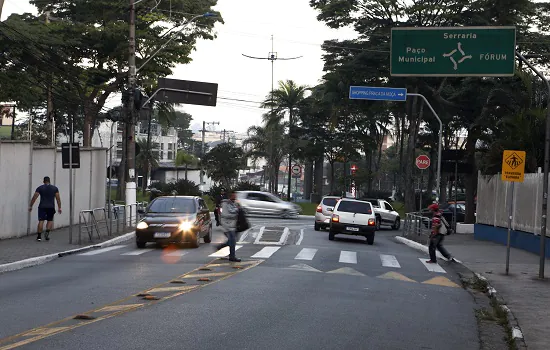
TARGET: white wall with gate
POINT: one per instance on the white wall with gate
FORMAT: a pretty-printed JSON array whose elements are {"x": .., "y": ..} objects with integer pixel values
[{"x": 22, "y": 169}]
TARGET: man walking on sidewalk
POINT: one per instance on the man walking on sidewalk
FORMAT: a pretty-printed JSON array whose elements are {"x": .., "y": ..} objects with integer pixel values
[
  {"x": 46, "y": 209},
  {"x": 437, "y": 236},
  {"x": 229, "y": 214}
]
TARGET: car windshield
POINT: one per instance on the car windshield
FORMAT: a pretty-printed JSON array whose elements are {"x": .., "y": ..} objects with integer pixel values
[
  {"x": 330, "y": 202},
  {"x": 172, "y": 205},
  {"x": 355, "y": 207}
]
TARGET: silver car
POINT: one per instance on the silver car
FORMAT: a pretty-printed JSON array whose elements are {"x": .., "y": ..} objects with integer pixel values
[
  {"x": 265, "y": 203},
  {"x": 324, "y": 212}
]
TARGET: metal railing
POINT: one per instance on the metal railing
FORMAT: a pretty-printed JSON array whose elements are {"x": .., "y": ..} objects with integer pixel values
[
  {"x": 108, "y": 221},
  {"x": 416, "y": 227}
]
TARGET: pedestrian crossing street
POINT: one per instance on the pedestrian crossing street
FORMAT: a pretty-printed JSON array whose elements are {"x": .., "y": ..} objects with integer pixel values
[{"x": 305, "y": 254}]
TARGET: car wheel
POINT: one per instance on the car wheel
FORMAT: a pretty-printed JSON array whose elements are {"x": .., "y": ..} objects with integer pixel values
[
  {"x": 140, "y": 245},
  {"x": 370, "y": 239},
  {"x": 378, "y": 223},
  {"x": 331, "y": 236},
  {"x": 317, "y": 227},
  {"x": 196, "y": 243},
  {"x": 208, "y": 237},
  {"x": 397, "y": 224}
]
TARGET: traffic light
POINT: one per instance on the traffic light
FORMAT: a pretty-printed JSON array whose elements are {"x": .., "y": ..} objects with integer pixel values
[{"x": 353, "y": 169}]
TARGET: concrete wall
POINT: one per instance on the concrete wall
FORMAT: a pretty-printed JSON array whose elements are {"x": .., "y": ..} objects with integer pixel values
[
  {"x": 19, "y": 179},
  {"x": 192, "y": 175}
]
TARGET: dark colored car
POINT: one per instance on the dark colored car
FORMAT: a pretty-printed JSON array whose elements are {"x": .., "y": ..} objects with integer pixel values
[
  {"x": 447, "y": 211},
  {"x": 175, "y": 219}
]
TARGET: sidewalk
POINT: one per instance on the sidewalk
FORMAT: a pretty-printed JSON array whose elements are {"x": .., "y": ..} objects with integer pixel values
[
  {"x": 26, "y": 247},
  {"x": 526, "y": 295}
]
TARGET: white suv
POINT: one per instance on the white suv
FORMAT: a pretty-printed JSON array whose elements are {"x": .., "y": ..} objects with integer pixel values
[{"x": 353, "y": 217}]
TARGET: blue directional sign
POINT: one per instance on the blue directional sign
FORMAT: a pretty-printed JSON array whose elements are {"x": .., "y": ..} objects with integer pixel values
[{"x": 377, "y": 93}]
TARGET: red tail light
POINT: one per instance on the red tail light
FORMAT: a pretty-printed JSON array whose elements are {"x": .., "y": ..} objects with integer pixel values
[
  {"x": 335, "y": 218},
  {"x": 372, "y": 222},
  {"x": 319, "y": 208}
]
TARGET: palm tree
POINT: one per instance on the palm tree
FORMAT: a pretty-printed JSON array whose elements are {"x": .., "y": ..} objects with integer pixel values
[
  {"x": 288, "y": 98},
  {"x": 146, "y": 159},
  {"x": 184, "y": 158}
]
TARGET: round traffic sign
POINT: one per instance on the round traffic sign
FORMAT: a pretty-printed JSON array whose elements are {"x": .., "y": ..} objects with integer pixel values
[
  {"x": 422, "y": 161},
  {"x": 296, "y": 170}
]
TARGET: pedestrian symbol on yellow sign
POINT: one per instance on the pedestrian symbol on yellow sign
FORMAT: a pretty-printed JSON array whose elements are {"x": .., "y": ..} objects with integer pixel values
[{"x": 513, "y": 166}]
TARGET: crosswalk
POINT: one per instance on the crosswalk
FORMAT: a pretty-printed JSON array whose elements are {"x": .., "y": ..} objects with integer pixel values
[{"x": 345, "y": 257}]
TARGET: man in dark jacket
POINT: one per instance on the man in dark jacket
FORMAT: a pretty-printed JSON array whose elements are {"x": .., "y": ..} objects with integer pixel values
[
  {"x": 218, "y": 201},
  {"x": 437, "y": 235}
]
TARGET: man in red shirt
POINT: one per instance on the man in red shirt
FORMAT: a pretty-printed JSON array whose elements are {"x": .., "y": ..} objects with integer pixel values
[{"x": 437, "y": 236}]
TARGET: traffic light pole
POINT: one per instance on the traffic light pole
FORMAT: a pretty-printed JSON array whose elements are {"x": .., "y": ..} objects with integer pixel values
[{"x": 130, "y": 175}]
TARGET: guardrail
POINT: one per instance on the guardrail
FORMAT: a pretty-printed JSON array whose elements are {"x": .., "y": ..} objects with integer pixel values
[
  {"x": 109, "y": 221},
  {"x": 416, "y": 227}
]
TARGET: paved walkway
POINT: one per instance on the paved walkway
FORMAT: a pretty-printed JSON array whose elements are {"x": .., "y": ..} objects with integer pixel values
[
  {"x": 16, "y": 249},
  {"x": 526, "y": 295}
]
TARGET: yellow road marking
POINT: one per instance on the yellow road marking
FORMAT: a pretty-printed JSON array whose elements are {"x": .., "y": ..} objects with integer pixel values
[
  {"x": 347, "y": 271},
  {"x": 396, "y": 276},
  {"x": 250, "y": 262},
  {"x": 171, "y": 289},
  {"x": 213, "y": 274},
  {"x": 49, "y": 329},
  {"x": 119, "y": 307},
  {"x": 441, "y": 281}
]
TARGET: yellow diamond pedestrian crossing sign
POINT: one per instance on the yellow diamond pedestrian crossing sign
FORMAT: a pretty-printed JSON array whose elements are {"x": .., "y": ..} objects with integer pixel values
[{"x": 513, "y": 166}]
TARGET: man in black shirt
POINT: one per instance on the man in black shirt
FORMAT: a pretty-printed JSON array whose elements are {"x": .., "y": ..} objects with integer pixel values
[{"x": 46, "y": 209}]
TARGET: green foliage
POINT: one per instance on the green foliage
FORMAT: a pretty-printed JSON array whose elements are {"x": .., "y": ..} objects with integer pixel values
[
  {"x": 181, "y": 187},
  {"x": 246, "y": 186},
  {"x": 223, "y": 163}
]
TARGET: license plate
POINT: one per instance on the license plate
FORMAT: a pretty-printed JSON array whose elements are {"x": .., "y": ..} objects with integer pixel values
[
  {"x": 162, "y": 235},
  {"x": 354, "y": 229}
]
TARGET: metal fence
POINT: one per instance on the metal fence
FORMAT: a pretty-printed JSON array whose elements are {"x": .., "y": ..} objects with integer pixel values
[
  {"x": 416, "y": 227},
  {"x": 493, "y": 199},
  {"x": 109, "y": 221}
]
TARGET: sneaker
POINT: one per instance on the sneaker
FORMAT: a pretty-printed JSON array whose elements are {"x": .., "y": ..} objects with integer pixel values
[
  {"x": 38, "y": 239},
  {"x": 431, "y": 262},
  {"x": 47, "y": 235},
  {"x": 235, "y": 259}
]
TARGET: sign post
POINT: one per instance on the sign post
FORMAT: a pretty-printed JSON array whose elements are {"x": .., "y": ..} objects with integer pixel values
[
  {"x": 513, "y": 170},
  {"x": 422, "y": 162},
  {"x": 453, "y": 51}
]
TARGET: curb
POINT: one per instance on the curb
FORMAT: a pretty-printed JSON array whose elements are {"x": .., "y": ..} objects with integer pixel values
[
  {"x": 517, "y": 334},
  {"x": 40, "y": 260}
]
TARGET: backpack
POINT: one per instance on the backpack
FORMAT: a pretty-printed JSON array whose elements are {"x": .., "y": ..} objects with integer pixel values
[{"x": 242, "y": 222}]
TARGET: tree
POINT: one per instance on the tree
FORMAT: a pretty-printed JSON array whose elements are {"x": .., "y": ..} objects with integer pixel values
[
  {"x": 223, "y": 163},
  {"x": 86, "y": 48},
  {"x": 184, "y": 158},
  {"x": 146, "y": 159}
]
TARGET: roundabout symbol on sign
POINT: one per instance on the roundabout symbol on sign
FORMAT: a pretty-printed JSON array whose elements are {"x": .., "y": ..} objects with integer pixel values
[{"x": 422, "y": 161}]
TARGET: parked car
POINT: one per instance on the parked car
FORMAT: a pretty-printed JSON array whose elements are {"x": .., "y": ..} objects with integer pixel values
[
  {"x": 353, "y": 217},
  {"x": 265, "y": 203},
  {"x": 175, "y": 219},
  {"x": 385, "y": 214},
  {"x": 324, "y": 212}
]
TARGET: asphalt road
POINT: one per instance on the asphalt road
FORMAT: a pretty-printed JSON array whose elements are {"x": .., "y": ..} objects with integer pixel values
[{"x": 315, "y": 295}]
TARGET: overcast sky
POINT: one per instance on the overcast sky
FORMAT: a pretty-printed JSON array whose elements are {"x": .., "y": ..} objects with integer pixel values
[{"x": 248, "y": 27}]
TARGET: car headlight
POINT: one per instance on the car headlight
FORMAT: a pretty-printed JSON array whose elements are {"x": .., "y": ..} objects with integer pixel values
[
  {"x": 186, "y": 226},
  {"x": 142, "y": 225}
]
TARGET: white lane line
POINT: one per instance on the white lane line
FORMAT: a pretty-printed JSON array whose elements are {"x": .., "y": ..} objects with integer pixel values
[
  {"x": 223, "y": 252},
  {"x": 177, "y": 253},
  {"x": 99, "y": 251},
  {"x": 259, "y": 236},
  {"x": 284, "y": 236},
  {"x": 301, "y": 237},
  {"x": 348, "y": 257},
  {"x": 389, "y": 261},
  {"x": 306, "y": 254},
  {"x": 432, "y": 267},
  {"x": 266, "y": 252},
  {"x": 138, "y": 252}
]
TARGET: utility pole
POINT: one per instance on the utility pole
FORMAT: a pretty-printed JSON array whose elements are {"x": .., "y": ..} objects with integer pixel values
[
  {"x": 273, "y": 57},
  {"x": 203, "y": 149},
  {"x": 130, "y": 175},
  {"x": 1, "y": 6},
  {"x": 50, "y": 114}
]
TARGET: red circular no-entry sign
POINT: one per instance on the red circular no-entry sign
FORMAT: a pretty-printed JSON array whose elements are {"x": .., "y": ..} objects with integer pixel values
[{"x": 422, "y": 162}]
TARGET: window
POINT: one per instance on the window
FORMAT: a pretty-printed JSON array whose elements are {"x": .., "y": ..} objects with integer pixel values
[
  {"x": 170, "y": 146},
  {"x": 161, "y": 155},
  {"x": 170, "y": 155},
  {"x": 355, "y": 207},
  {"x": 172, "y": 205},
  {"x": 202, "y": 205},
  {"x": 330, "y": 202},
  {"x": 388, "y": 206},
  {"x": 119, "y": 153},
  {"x": 374, "y": 203},
  {"x": 162, "y": 146}
]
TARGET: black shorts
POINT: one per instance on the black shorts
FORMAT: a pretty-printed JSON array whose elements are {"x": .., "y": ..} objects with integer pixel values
[{"x": 46, "y": 214}]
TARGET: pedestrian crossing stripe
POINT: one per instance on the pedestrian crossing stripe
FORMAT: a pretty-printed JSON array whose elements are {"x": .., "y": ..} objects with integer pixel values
[
  {"x": 119, "y": 307},
  {"x": 392, "y": 275},
  {"x": 171, "y": 289},
  {"x": 303, "y": 267},
  {"x": 441, "y": 281},
  {"x": 347, "y": 271}
]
